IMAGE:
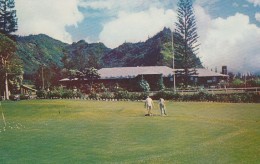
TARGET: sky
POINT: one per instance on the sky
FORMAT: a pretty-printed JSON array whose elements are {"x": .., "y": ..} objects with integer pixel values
[{"x": 229, "y": 30}]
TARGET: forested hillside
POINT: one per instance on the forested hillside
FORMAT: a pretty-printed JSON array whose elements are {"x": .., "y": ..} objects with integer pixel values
[
  {"x": 82, "y": 54},
  {"x": 149, "y": 53},
  {"x": 38, "y": 50}
]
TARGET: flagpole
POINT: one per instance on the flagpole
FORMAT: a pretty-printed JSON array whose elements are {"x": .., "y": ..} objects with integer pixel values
[{"x": 174, "y": 83}]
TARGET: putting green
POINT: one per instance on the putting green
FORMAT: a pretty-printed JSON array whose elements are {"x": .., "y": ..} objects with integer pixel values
[{"x": 80, "y": 131}]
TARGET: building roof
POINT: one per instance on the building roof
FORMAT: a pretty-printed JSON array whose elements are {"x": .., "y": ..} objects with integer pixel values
[
  {"x": 28, "y": 88},
  {"x": 132, "y": 72},
  {"x": 202, "y": 72}
]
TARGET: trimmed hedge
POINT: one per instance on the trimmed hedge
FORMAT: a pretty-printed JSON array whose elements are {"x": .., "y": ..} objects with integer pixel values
[
  {"x": 167, "y": 95},
  {"x": 119, "y": 95},
  {"x": 58, "y": 93},
  {"x": 93, "y": 95},
  {"x": 202, "y": 96},
  {"x": 107, "y": 95}
]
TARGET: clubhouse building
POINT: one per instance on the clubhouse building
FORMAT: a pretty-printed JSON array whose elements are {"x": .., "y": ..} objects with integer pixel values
[{"x": 127, "y": 77}]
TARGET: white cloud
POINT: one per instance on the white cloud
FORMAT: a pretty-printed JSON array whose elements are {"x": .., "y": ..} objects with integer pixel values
[
  {"x": 203, "y": 21},
  {"x": 135, "y": 27},
  {"x": 124, "y": 5},
  {"x": 232, "y": 41},
  {"x": 255, "y": 2},
  {"x": 257, "y": 17},
  {"x": 89, "y": 40},
  {"x": 235, "y": 4},
  {"x": 48, "y": 17},
  {"x": 97, "y": 4},
  {"x": 206, "y": 2}
]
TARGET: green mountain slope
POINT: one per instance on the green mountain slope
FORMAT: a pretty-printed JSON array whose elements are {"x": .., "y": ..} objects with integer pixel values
[
  {"x": 82, "y": 54},
  {"x": 36, "y": 50},
  {"x": 146, "y": 53}
]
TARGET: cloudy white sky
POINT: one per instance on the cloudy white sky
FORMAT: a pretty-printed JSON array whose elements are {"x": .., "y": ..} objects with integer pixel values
[{"x": 229, "y": 30}]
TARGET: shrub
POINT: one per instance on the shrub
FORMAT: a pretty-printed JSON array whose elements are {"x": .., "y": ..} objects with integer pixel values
[
  {"x": 256, "y": 97},
  {"x": 161, "y": 84},
  {"x": 93, "y": 95},
  {"x": 203, "y": 96},
  {"x": 67, "y": 93},
  {"x": 14, "y": 97},
  {"x": 77, "y": 94},
  {"x": 143, "y": 96},
  {"x": 235, "y": 98},
  {"x": 167, "y": 95},
  {"x": 137, "y": 96},
  {"x": 237, "y": 83},
  {"x": 143, "y": 86},
  {"x": 257, "y": 82},
  {"x": 162, "y": 94},
  {"x": 107, "y": 95},
  {"x": 211, "y": 97},
  {"x": 41, "y": 94},
  {"x": 122, "y": 95},
  {"x": 24, "y": 97},
  {"x": 99, "y": 87},
  {"x": 134, "y": 96},
  {"x": 176, "y": 96},
  {"x": 59, "y": 92},
  {"x": 55, "y": 94}
]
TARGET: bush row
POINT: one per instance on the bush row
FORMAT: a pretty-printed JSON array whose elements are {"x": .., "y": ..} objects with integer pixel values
[
  {"x": 58, "y": 93},
  {"x": 119, "y": 95},
  {"x": 167, "y": 95},
  {"x": 199, "y": 97},
  {"x": 19, "y": 97},
  {"x": 202, "y": 96}
]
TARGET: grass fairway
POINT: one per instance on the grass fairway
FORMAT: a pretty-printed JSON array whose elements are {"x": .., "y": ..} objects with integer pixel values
[{"x": 78, "y": 131}]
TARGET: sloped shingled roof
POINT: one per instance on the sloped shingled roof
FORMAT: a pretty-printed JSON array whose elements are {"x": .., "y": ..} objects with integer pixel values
[
  {"x": 131, "y": 72},
  {"x": 28, "y": 88},
  {"x": 201, "y": 72}
]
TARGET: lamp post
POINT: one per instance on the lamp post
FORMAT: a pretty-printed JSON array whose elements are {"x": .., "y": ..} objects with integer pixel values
[{"x": 174, "y": 83}]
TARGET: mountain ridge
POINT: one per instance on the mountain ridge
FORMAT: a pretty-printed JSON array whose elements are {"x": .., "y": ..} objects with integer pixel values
[{"x": 38, "y": 50}]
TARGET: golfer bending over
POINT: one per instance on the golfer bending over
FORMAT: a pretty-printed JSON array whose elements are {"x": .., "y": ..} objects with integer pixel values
[
  {"x": 149, "y": 105},
  {"x": 162, "y": 107}
]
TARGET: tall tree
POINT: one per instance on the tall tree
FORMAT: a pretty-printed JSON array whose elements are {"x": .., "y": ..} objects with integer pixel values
[
  {"x": 185, "y": 40},
  {"x": 11, "y": 69},
  {"x": 8, "y": 20}
]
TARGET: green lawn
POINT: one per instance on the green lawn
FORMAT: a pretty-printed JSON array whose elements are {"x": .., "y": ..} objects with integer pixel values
[{"x": 78, "y": 131}]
